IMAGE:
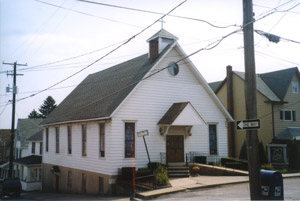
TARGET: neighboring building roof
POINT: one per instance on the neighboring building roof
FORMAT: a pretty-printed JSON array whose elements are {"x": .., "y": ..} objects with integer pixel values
[
  {"x": 4, "y": 136},
  {"x": 29, "y": 160},
  {"x": 273, "y": 85},
  {"x": 27, "y": 128},
  {"x": 279, "y": 81},
  {"x": 36, "y": 137},
  {"x": 215, "y": 85},
  {"x": 261, "y": 87},
  {"x": 289, "y": 133},
  {"x": 98, "y": 95}
]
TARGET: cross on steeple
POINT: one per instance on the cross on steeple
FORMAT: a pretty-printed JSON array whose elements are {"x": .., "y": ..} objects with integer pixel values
[{"x": 162, "y": 22}]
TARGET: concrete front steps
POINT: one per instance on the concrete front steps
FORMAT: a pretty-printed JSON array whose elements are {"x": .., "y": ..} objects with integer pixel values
[{"x": 178, "y": 170}]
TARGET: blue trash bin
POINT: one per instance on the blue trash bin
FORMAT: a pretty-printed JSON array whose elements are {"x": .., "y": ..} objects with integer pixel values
[{"x": 271, "y": 185}]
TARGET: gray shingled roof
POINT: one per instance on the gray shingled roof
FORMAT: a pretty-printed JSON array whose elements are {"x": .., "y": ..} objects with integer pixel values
[
  {"x": 261, "y": 87},
  {"x": 289, "y": 133},
  {"x": 36, "y": 137},
  {"x": 279, "y": 81},
  {"x": 27, "y": 128},
  {"x": 98, "y": 95},
  {"x": 172, "y": 113},
  {"x": 29, "y": 160}
]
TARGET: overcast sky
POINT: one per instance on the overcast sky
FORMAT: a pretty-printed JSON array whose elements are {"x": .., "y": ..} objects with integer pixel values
[{"x": 41, "y": 35}]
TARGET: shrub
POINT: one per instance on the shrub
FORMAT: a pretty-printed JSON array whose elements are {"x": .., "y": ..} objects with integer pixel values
[
  {"x": 161, "y": 175},
  {"x": 267, "y": 166},
  {"x": 195, "y": 170}
]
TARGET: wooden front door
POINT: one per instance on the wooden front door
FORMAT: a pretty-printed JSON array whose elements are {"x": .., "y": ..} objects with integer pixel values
[{"x": 175, "y": 148}]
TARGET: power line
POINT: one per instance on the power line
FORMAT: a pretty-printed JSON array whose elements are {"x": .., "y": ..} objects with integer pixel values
[
  {"x": 4, "y": 107},
  {"x": 274, "y": 38},
  {"x": 124, "y": 43},
  {"x": 83, "y": 13},
  {"x": 158, "y": 13},
  {"x": 277, "y": 58},
  {"x": 70, "y": 58},
  {"x": 208, "y": 47},
  {"x": 270, "y": 7}
]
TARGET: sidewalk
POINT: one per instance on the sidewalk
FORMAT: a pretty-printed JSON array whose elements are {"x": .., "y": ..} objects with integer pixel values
[{"x": 191, "y": 183}]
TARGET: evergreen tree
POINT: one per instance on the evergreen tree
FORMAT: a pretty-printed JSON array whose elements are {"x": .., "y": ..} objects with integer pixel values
[
  {"x": 34, "y": 115},
  {"x": 47, "y": 107}
]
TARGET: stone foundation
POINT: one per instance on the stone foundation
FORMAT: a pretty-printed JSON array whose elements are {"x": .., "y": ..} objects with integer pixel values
[{"x": 79, "y": 181}]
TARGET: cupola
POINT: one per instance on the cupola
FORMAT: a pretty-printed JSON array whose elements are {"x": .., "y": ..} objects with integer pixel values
[{"x": 158, "y": 42}]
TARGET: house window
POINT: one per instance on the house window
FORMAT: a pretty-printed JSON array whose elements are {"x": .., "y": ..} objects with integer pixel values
[
  {"x": 129, "y": 140},
  {"x": 294, "y": 87},
  {"x": 69, "y": 183},
  {"x": 101, "y": 185},
  {"x": 213, "y": 147},
  {"x": 47, "y": 139},
  {"x": 69, "y": 139},
  {"x": 102, "y": 139},
  {"x": 57, "y": 140},
  {"x": 83, "y": 184},
  {"x": 287, "y": 115},
  {"x": 41, "y": 148},
  {"x": 83, "y": 126},
  {"x": 33, "y": 147}
]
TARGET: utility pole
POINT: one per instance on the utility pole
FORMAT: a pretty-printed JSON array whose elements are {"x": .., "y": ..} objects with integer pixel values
[
  {"x": 251, "y": 105},
  {"x": 12, "y": 131}
]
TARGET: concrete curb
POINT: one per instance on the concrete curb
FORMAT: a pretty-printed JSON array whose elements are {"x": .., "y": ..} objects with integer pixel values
[{"x": 164, "y": 191}]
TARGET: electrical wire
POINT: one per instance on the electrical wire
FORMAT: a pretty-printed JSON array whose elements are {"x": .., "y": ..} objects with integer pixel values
[
  {"x": 209, "y": 47},
  {"x": 277, "y": 58},
  {"x": 274, "y": 38},
  {"x": 83, "y": 13},
  {"x": 4, "y": 107},
  {"x": 158, "y": 13},
  {"x": 124, "y": 43}
]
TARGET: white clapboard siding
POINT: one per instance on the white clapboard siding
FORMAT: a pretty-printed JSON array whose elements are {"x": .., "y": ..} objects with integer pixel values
[
  {"x": 151, "y": 100},
  {"x": 145, "y": 106},
  {"x": 91, "y": 162}
]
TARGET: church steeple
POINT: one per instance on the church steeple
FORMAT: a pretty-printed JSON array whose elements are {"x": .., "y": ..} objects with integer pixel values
[{"x": 158, "y": 42}]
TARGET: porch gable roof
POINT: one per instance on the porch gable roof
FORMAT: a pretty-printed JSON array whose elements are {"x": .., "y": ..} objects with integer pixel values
[{"x": 181, "y": 114}]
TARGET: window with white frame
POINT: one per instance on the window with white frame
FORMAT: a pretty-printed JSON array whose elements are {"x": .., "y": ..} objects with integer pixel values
[
  {"x": 129, "y": 140},
  {"x": 287, "y": 115},
  {"x": 33, "y": 147},
  {"x": 102, "y": 139},
  {"x": 57, "y": 140},
  {"x": 69, "y": 139},
  {"x": 47, "y": 139},
  {"x": 83, "y": 126},
  {"x": 213, "y": 145},
  {"x": 294, "y": 87}
]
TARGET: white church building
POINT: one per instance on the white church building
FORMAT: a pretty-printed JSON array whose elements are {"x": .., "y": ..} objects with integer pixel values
[{"x": 93, "y": 132}]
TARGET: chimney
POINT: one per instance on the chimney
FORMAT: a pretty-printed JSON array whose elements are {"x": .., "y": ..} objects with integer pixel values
[
  {"x": 230, "y": 108},
  {"x": 153, "y": 50}
]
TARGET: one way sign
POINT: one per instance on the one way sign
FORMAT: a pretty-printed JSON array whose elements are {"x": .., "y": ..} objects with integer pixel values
[{"x": 248, "y": 124}]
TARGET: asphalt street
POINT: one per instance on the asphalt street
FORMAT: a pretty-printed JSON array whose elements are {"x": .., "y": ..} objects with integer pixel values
[
  {"x": 226, "y": 192},
  {"x": 232, "y": 192}
]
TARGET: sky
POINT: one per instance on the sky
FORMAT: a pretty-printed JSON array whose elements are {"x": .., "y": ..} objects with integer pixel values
[{"x": 57, "y": 38}]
